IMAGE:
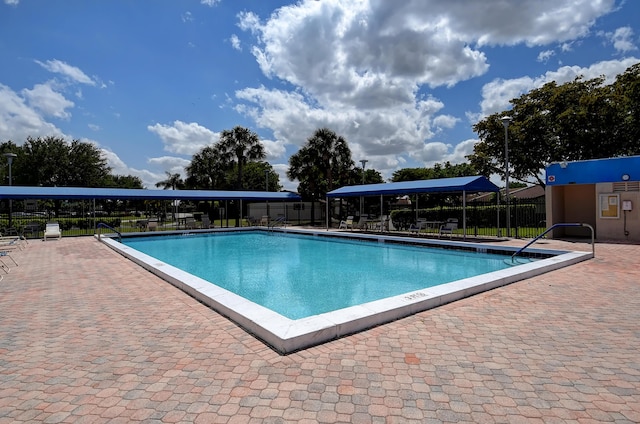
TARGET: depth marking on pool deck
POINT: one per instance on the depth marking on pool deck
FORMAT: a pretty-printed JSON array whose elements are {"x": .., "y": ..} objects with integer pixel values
[
  {"x": 416, "y": 295},
  {"x": 286, "y": 335}
]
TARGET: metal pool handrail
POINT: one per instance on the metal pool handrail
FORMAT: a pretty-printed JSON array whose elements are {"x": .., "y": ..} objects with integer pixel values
[
  {"x": 566, "y": 224},
  {"x": 103, "y": 225},
  {"x": 275, "y": 222}
]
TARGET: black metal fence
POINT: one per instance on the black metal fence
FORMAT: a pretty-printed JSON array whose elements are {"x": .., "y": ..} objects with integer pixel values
[
  {"x": 527, "y": 217},
  {"x": 80, "y": 218}
]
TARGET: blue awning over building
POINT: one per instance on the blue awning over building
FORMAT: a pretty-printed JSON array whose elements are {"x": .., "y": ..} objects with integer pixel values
[
  {"x": 609, "y": 170},
  {"x": 441, "y": 185},
  {"x": 78, "y": 193}
]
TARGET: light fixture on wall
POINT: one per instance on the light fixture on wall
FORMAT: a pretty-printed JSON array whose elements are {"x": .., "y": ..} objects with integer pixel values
[
  {"x": 625, "y": 177},
  {"x": 563, "y": 164}
]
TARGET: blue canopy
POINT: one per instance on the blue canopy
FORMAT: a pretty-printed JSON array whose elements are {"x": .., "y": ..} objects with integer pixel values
[
  {"x": 440, "y": 185},
  {"x": 75, "y": 193}
]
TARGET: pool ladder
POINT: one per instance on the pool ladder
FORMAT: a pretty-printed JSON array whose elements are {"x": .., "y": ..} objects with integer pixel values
[
  {"x": 565, "y": 224},
  {"x": 103, "y": 225},
  {"x": 277, "y": 223}
]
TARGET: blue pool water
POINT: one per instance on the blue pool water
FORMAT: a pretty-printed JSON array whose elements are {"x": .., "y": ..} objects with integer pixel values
[{"x": 300, "y": 276}]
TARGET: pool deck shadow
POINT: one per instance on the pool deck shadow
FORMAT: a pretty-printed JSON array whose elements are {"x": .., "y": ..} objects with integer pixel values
[{"x": 88, "y": 336}]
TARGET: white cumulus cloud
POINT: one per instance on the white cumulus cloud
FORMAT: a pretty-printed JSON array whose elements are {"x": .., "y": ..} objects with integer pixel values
[
  {"x": 497, "y": 94},
  {"x": 622, "y": 39},
  {"x": 375, "y": 62},
  {"x": 73, "y": 73},
  {"x": 18, "y": 119},
  {"x": 50, "y": 102},
  {"x": 184, "y": 138}
]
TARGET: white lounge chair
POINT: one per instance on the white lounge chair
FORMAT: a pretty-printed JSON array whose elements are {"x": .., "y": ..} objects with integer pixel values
[
  {"x": 346, "y": 224},
  {"x": 419, "y": 225},
  {"x": 190, "y": 223},
  {"x": 363, "y": 224},
  {"x": 52, "y": 230},
  {"x": 449, "y": 227},
  {"x": 382, "y": 224}
]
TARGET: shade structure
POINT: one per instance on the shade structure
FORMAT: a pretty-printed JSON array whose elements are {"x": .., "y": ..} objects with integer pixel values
[
  {"x": 78, "y": 193},
  {"x": 472, "y": 184},
  {"x": 464, "y": 185}
]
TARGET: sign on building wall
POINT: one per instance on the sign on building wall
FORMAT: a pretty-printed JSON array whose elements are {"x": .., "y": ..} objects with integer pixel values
[{"x": 609, "y": 206}]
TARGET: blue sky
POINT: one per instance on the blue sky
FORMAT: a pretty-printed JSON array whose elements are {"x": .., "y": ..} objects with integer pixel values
[{"x": 151, "y": 82}]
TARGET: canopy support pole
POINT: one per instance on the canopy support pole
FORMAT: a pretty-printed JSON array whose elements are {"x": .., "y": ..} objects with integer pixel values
[
  {"x": 464, "y": 215},
  {"x": 326, "y": 211},
  {"x": 499, "y": 233},
  {"x": 381, "y": 212}
]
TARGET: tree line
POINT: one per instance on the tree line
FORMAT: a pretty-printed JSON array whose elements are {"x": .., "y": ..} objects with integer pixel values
[
  {"x": 54, "y": 162},
  {"x": 578, "y": 120}
]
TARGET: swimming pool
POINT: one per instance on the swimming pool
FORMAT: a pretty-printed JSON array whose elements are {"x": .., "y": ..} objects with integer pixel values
[
  {"x": 299, "y": 276},
  {"x": 287, "y": 323}
]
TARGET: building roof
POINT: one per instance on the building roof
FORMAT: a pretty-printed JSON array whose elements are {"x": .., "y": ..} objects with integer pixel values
[
  {"x": 440, "y": 185},
  {"x": 75, "y": 193},
  {"x": 530, "y": 192}
]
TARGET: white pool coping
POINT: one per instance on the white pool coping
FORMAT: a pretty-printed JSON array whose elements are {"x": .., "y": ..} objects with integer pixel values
[{"x": 286, "y": 335}]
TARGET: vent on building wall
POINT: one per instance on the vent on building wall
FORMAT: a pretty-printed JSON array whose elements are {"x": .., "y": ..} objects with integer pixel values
[{"x": 627, "y": 186}]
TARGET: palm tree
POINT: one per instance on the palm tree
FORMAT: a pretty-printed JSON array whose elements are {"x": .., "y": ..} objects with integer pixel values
[
  {"x": 322, "y": 164},
  {"x": 334, "y": 155},
  {"x": 173, "y": 182},
  {"x": 238, "y": 146}
]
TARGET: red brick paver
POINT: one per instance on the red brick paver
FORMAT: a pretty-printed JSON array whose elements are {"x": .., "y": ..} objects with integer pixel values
[{"x": 87, "y": 336}]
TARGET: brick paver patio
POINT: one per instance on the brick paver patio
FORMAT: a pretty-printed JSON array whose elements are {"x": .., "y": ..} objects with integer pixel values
[{"x": 87, "y": 336}]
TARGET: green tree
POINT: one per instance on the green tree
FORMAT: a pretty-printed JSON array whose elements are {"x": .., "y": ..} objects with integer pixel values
[
  {"x": 255, "y": 177},
  {"x": 371, "y": 176},
  {"x": 124, "y": 181},
  {"x": 578, "y": 120},
  {"x": 438, "y": 171},
  {"x": 207, "y": 170},
  {"x": 302, "y": 167},
  {"x": 239, "y": 146},
  {"x": 52, "y": 161},
  {"x": 626, "y": 90},
  {"x": 87, "y": 165},
  {"x": 446, "y": 170},
  {"x": 47, "y": 159},
  {"x": 321, "y": 165},
  {"x": 410, "y": 174}
]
